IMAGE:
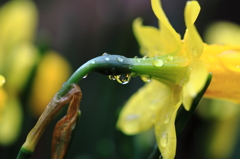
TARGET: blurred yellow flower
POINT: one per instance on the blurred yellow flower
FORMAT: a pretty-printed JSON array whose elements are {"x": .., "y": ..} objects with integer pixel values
[
  {"x": 18, "y": 57},
  {"x": 52, "y": 72},
  {"x": 17, "y": 25}
]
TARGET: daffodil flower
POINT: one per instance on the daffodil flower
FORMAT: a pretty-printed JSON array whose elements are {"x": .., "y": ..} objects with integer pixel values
[{"x": 156, "y": 104}]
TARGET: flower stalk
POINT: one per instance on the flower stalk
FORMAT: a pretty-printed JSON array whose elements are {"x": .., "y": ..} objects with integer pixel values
[{"x": 164, "y": 68}]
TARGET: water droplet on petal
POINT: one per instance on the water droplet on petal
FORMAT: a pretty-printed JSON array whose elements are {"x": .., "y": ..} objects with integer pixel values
[
  {"x": 107, "y": 59},
  {"x": 164, "y": 139},
  {"x": 132, "y": 117},
  {"x": 123, "y": 79},
  {"x": 146, "y": 78},
  {"x": 135, "y": 57},
  {"x": 93, "y": 62},
  {"x": 120, "y": 59},
  {"x": 166, "y": 119},
  {"x": 169, "y": 58},
  {"x": 158, "y": 62}
]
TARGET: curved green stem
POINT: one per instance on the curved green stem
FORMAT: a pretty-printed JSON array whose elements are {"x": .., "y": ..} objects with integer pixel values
[{"x": 163, "y": 68}]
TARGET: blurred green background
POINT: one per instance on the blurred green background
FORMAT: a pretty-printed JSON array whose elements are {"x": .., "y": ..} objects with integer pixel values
[{"x": 83, "y": 29}]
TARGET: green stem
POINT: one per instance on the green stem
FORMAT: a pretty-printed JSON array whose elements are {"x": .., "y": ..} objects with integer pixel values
[{"x": 163, "y": 68}]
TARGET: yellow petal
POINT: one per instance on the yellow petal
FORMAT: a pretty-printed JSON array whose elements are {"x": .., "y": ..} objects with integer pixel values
[
  {"x": 165, "y": 129},
  {"x": 52, "y": 72},
  {"x": 148, "y": 38},
  {"x": 192, "y": 41},
  {"x": 170, "y": 39},
  {"x": 197, "y": 80},
  {"x": 10, "y": 122},
  {"x": 2, "y": 80},
  {"x": 141, "y": 110}
]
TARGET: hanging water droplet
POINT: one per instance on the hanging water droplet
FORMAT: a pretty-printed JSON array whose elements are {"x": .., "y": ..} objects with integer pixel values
[
  {"x": 166, "y": 119},
  {"x": 85, "y": 76},
  {"x": 93, "y": 62},
  {"x": 158, "y": 62},
  {"x": 160, "y": 157},
  {"x": 146, "y": 78},
  {"x": 104, "y": 54},
  {"x": 120, "y": 59},
  {"x": 107, "y": 59},
  {"x": 112, "y": 77},
  {"x": 169, "y": 58},
  {"x": 123, "y": 79},
  {"x": 132, "y": 117},
  {"x": 130, "y": 66},
  {"x": 164, "y": 139}
]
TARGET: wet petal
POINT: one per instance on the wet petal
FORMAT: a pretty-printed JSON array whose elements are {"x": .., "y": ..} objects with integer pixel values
[
  {"x": 192, "y": 40},
  {"x": 148, "y": 38},
  {"x": 230, "y": 60},
  {"x": 197, "y": 80},
  {"x": 141, "y": 110},
  {"x": 170, "y": 39},
  {"x": 165, "y": 129}
]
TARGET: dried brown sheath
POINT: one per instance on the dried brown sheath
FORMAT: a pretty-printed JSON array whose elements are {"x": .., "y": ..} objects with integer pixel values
[
  {"x": 51, "y": 110},
  {"x": 65, "y": 126}
]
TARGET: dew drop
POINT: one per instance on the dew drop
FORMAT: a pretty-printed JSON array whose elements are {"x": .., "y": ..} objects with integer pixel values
[
  {"x": 107, "y": 59},
  {"x": 93, "y": 62},
  {"x": 104, "y": 54},
  {"x": 120, "y": 59},
  {"x": 146, "y": 78},
  {"x": 164, "y": 140},
  {"x": 85, "y": 76},
  {"x": 144, "y": 57},
  {"x": 166, "y": 119},
  {"x": 130, "y": 66},
  {"x": 112, "y": 77},
  {"x": 169, "y": 58},
  {"x": 135, "y": 57},
  {"x": 158, "y": 62},
  {"x": 124, "y": 78},
  {"x": 132, "y": 117}
]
